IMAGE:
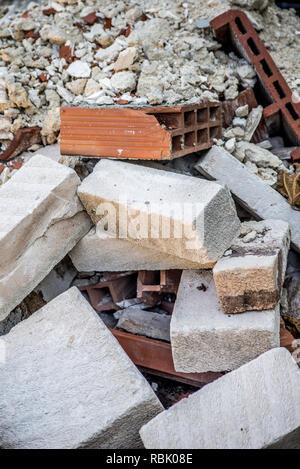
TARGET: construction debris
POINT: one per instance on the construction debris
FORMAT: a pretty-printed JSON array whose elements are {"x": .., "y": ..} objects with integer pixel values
[
  {"x": 136, "y": 205},
  {"x": 61, "y": 349},
  {"x": 111, "y": 270},
  {"x": 251, "y": 276},
  {"x": 43, "y": 208},
  {"x": 262, "y": 417},
  {"x": 257, "y": 197},
  {"x": 203, "y": 338}
]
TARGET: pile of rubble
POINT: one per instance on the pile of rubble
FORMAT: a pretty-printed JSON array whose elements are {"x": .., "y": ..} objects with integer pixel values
[{"x": 117, "y": 274}]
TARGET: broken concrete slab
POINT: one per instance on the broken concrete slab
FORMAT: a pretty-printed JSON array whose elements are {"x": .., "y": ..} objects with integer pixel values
[
  {"x": 100, "y": 251},
  {"x": 70, "y": 384},
  {"x": 41, "y": 221},
  {"x": 172, "y": 213},
  {"x": 147, "y": 323},
  {"x": 203, "y": 338},
  {"x": 251, "y": 276},
  {"x": 251, "y": 192},
  {"x": 250, "y": 404}
]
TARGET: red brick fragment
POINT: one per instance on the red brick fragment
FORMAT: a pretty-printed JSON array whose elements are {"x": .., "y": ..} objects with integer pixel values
[
  {"x": 107, "y": 23},
  {"x": 16, "y": 164},
  {"x": 66, "y": 52},
  {"x": 25, "y": 15},
  {"x": 32, "y": 35},
  {"x": 2, "y": 168},
  {"x": 23, "y": 140},
  {"x": 49, "y": 11},
  {"x": 43, "y": 77},
  {"x": 234, "y": 29},
  {"x": 122, "y": 101},
  {"x": 90, "y": 19},
  {"x": 295, "y": 155}
]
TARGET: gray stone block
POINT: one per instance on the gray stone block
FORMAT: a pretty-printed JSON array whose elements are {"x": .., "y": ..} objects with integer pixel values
[
  {"x": 172, "y": 213},
  {"x": 67, "y": 383},
  {"x": 203, "y": 338},
  {"x": 254, "y": 407},
  {"x": 41, "y": 220},
  {"x": 251, "y": 192}
]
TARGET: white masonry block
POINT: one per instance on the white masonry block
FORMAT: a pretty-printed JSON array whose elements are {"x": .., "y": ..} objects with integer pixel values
[
  {"x": 254, "y": 407},
  {"x": 101, "y": 251},
  {"x": 203, "y": 338},
  {"x": 172, "y": 213},
  {"x": 41, "y": 220},
  {"x": 250, "y": 276},
  {"x": 66, "y": 383},
  {"x": 251, "y": 192}
]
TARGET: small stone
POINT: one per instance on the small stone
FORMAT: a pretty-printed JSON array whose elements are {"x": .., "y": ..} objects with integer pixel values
[
  {"x": 123, "y": 81},
  {"x": 239, "y": 122},
  {"x": 77, "y": 86},
  {"x": 242, "y": 111},
  {"x": 249, "y": 237},
  {"x": 79, "y": 69},
  {"x": 125, "y": 59},
  {"x": 230, "y": 145}
]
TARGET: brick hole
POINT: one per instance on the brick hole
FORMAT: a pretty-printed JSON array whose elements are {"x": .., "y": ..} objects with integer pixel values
[
  {"x": 292, "y": 111},
  {"x": 253, "y": 46},
  {"x": 202, "y": 115},
  {"x": 189, "y": 139},
  {"x": 266, "y": 68},
  {"x": 213, "y": 111},
  {"x": 240, "y": 25},
  {"x": 202, "y": 136},
  {"x": 189, "y": 118},
  {"x": 279, "y": 90},
  {"x": 214, "y": 132},
  {"x": 176, "y": 143},
  {"x": 149, "y": 277}
]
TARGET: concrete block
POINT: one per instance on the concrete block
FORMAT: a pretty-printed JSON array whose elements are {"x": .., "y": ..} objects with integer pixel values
[
  {"x": 100, "y": 251},
  {"x": 66, "y": 383},
  {"x": 252, "y": 275},
  {"x": 254, "y": 407},
  {"x": 172, "y": 213},
  {"x": 251, "y": 192},
  {"x": 203, "y": 338},
  {"x": 147, "y": 323},
  {"x": 41, "y": 221}
]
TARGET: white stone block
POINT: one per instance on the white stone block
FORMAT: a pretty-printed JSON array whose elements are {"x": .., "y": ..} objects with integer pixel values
[
  {"x": 41, "y": 221},
  {"x": 100, "y": 251},
  {"x": 251, "y": 192},
  {"x": 254, "y": 407},
  {"x": 172, "y": 213},
  {"x": 203, "y": 338},
  {"x": 66, "y": 383}
]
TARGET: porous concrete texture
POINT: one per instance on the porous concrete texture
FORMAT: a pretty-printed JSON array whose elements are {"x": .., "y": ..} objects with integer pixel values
[
  {"x": 203, "y": 338},
  {"x": 100, "y": 251},
  {"x": 41, "y": 221},
  {"x": 254, "y": 407},
  {"x": 172, "y": 213},
  {"x": 251, "y": 192},
  {"x": 66, "y": 383},
  {"x": 251, "y": 275}
]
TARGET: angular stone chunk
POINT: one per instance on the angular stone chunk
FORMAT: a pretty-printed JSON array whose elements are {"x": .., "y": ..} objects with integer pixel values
[
  {"x": 41, "y": 221},
  {"x": 252, "y": 193},
  {"x": 203, "y": 338},
  {"x": 101, "y": 251},
  {"x": 252, "y": 275},
  {"x": 254, "y": 407},
  {"x": 172, "y": 213},
  {"x": 148, "y": 323},
  {"x": 66, "y": 382}
]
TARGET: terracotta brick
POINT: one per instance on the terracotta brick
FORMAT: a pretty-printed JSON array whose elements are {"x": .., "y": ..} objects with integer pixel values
[
  {"x": 23, "y": 140},
  {"x": 234, "y": 29},
  {"x": 160, "y": 132}
]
